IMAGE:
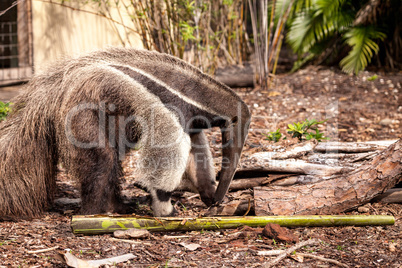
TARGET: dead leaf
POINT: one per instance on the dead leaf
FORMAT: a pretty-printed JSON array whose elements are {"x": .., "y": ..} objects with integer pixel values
[
  {"x": 75, "y": 262},
  {"x": 273, "y": 93},
  {"x": 297, "y": 257},
  {"x": 191, "y": 246}
]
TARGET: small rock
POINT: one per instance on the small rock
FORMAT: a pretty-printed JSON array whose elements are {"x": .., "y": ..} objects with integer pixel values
[
  {"x": 386, "y": 122},
  {"x": 363, "y": 209},
  {"x": 275, "y": 231},
  {"x": 191, "y": 246},
  {"x": 392, "y": 247},
  {"x": 132, "y": 233}
]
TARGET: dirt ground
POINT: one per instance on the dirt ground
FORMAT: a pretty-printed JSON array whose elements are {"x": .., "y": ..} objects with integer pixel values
[{"x": 358, "y": 108}]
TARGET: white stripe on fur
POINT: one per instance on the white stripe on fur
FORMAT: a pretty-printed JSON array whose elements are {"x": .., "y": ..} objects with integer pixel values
[{"x": 172, "y": 90}]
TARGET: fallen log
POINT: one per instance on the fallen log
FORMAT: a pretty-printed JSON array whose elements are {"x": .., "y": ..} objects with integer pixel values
[
  {"x": 390, "y": 196},
  {"x": 101, "y": 224},
  {"x": 267, "y": 170},
  {"x": 236, "y": 76},
  {"x": 349, "y": 157},
  {"x": 356, "y": 147},
  {"x": 296, "y": 151},
  {"x": 297, "y": 166},
  {"x": 335, "y": 195}
]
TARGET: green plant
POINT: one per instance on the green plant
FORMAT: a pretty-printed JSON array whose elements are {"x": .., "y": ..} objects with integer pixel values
[
  {"x": 300, "y": 130},
  {"x": 361, "y": 40},
  {"x": 4, "y": 110},
  {"x": 317, "y": 28},
  {"x": 197, "y": 31},
  {"x": 317, "y": 135},
  {"x": 183, "y": 206},
  {"x": 167, "y": 263},
  {"x": 372, "y": 78},
  {"x": 274, "y": 136}
]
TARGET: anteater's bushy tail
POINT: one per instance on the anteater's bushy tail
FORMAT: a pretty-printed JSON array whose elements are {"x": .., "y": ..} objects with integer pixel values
[{"x": 28, "y": 160}]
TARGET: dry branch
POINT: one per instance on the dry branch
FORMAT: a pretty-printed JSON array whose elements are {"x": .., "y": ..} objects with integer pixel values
[
  {"x": 312, "y": 256},
  {"x": 248, "y": 184},
  {"x": 297, "y": 166},
  {"x": 289, "y": 251},
  {"x": 99, "y": 224},
  {"x": 334, "y": 195},
  {"x": 390, "y": 196},
  {"x": 42, "y": 250},
  {"x": 357, "y": 147},
  {"x": 297, "y": 151}
]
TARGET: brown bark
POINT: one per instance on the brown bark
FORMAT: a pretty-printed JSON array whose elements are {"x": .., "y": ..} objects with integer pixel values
[
  {"x": 335, "y": 195},
  {"x": 390, "y": 196}
]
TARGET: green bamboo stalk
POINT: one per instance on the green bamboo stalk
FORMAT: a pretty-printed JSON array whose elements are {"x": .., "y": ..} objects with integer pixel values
[{"x": 101, "y": 224}]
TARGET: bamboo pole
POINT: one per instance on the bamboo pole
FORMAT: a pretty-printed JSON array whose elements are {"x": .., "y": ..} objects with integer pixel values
[{"x": 101, "y": 224}]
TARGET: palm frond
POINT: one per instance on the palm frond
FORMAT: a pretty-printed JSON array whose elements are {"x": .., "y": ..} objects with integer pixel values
[
  {"x": 337, "y": 13},
  {"x": 306, "y": 29},
  {"x": 302, "y": 5},
  {"x": 319, "y": 21},
  {"x": 328, "y": 7},
  {"x": 361, "y": 39}
]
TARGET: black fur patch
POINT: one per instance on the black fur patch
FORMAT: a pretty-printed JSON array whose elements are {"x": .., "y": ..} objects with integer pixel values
[
  {"x": 191, "y": 113},
  {"x": 163, "y": 196}
]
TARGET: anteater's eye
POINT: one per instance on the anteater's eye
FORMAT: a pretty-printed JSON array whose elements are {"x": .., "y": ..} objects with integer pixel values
[{"x": 234, "y": 120}]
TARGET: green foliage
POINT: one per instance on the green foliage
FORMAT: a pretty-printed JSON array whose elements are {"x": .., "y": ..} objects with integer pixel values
[
  {"x": 316, "y": 21},
  {"x": 300, "y": 130},
  {"x": 274, "y": 136},
  {"x": 340, "y": 247},
  {"x": 317, "y": 135},
  {"x": 316, "y": 28},
  {"x": 196, "y": 31},
  {"x": 4, "y": 110},
  {"x": 361, "y": 39},
  {"x": 187, "y": 31}
]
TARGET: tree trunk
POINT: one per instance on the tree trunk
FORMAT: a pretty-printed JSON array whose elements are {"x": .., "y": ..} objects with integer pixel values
[{"x": 337, "y": 194}]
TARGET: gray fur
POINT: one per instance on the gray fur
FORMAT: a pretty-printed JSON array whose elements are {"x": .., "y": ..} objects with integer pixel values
[{"x": 88, "y": 112}]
